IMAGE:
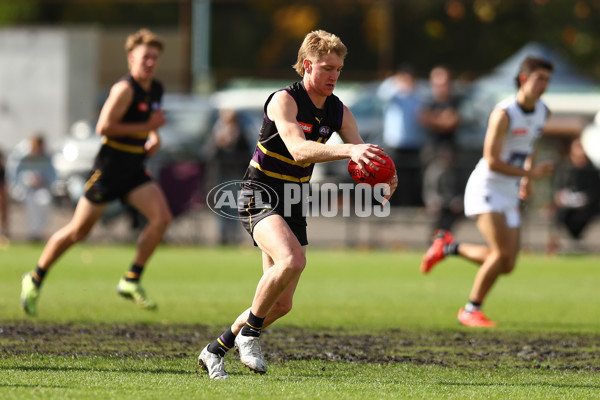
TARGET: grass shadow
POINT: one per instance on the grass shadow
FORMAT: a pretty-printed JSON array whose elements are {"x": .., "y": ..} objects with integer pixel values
[{"x": 93, "y": 369}]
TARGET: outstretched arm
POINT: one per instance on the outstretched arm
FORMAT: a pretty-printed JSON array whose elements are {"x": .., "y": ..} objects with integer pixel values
[{"x": 283, "y": 110}]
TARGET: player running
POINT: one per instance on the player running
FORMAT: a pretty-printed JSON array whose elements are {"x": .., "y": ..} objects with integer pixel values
[
  {"x": 128, "y": 124},
  {"x": 298, "y": 121},
  {"x": 499, "y": 180}
]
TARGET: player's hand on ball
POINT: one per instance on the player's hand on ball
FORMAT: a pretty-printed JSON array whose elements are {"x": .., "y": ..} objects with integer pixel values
[
  {"x": 365, "y": 155},
  {"x": 378, "y": 170}
]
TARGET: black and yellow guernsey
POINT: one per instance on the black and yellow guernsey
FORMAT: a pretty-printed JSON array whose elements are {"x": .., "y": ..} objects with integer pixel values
[
  {"x": 119, "y": 164},
  {"x": 144, "y": 103},
  {"x": 271, "y": 157}
]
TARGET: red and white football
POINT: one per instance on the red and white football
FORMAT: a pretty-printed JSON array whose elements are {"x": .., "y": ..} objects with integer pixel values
[{"x": 372, "y": 177}]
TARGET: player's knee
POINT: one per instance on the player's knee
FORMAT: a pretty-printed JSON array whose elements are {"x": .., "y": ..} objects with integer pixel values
[
  {"x": 294, "y": 263},
  {"x": 506, "y": 261},
  {"x": 162, "y": 220}
]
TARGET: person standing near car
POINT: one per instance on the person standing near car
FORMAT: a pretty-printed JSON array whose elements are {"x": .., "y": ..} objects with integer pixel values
[
  {"x": 31, "y": 183},
  {"x": 441, "y": 120},
  {"x": 403, "y": 134},
  {"x": 228, "y": 150},
  {"x": 128, "y": 125},
  {"x": 439, "y": 115}
]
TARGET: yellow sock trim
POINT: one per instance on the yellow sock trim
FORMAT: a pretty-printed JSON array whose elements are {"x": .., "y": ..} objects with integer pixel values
[{"x": 222, "y": 344}]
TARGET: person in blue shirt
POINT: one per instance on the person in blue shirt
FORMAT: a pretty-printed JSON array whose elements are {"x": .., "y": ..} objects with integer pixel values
[{"x": 403, "y": 135}]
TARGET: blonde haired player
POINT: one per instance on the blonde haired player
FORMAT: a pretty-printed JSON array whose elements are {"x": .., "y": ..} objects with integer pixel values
[
  {"x": 128, "y": 125},
  {"x": 501, "y": 177},
  {"x": 298, "y": 121}
]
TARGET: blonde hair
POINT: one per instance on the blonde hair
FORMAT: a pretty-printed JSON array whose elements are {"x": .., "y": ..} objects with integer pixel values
[
  {"x": 317, "y": 44},
  {"x": 143, "y": 36}
]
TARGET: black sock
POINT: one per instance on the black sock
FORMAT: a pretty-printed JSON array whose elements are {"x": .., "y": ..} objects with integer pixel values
[
  {"x": 223, "y": 344},
  {"x": 134, "y": 273},
  {"x": 253, "y": 326},
  {"x": 37, "y": 276},
  {"x": 451, "y": 248}
]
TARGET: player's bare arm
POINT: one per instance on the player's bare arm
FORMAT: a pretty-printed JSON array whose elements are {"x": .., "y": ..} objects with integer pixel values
[
  {"x": 283, "y": 110},
  {"x": 152, "y": 144},
  {"x": 109, "y": 123},
  {"x": 492, "y": 148}
]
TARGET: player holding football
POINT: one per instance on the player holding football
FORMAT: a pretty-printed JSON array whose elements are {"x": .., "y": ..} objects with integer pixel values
[
  {"x": 501, "y": 177},
  {"x": 128, "y": 124},
  {"x": 298, "y": 121}
]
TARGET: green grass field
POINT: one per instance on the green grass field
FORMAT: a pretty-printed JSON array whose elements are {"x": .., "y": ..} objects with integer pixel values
[{"x": 365, "y": 324}]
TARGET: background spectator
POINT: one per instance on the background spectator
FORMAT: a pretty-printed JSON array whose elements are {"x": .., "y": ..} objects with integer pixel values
[
  {"x": 228, "y": 150},
  {"x": 31, "y": 179},
  {"x": 443, "y": 190},
  {"x": 444, "y": 186},
  {"x": 440, "y": 113},
  {"x": 576, "y": 198},
  {"x": 403, "y": 136}
]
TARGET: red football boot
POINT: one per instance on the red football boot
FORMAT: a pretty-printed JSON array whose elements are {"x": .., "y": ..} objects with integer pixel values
[
  {"x": 474, "y": 319},
  {"x": 435, "y": 253}
]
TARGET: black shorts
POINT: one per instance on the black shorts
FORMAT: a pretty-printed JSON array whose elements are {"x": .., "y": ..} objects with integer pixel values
[
  {"x": 258, "y": 200},
  {"x": 114, "y": 175}
]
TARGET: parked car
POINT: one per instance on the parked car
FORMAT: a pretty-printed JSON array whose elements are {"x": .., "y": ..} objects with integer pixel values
[
  {"x": 74, "y": 160},
  {"x": 189, "y": 120}
]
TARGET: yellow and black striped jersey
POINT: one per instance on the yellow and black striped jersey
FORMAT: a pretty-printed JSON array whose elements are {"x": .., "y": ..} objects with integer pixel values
[
  {"x": 144, "y": 103},
  {"x": 271, "y": 156}
]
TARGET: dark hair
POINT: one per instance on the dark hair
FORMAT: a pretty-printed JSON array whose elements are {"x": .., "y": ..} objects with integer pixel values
[{"x": 530, "y": 64}]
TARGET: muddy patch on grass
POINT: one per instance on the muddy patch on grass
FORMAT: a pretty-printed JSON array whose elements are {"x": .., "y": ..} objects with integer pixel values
[{"x": 488, "y": 349}]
